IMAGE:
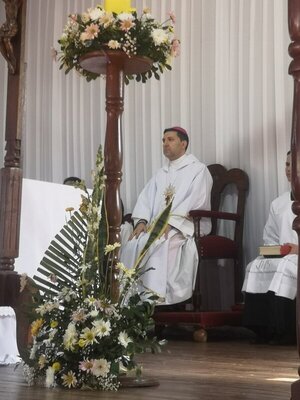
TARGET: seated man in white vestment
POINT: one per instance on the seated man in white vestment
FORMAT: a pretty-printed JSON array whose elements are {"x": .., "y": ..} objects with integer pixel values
[
  {"x": 271, "y": 283},
  {"x": 173, "y": 258}
]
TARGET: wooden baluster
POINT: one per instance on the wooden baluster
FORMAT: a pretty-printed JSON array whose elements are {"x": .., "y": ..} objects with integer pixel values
[
  {"x": 113, "y": 157},
  {"x": 294, "y": 70}
]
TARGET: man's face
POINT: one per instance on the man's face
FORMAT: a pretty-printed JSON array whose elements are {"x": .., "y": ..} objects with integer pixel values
[
  {"x": 173, "y": 147},
  {"x": 288, "y": 167}
]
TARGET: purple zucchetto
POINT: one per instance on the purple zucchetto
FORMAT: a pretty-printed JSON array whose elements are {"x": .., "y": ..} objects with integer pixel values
[{"x": 177, "y": 129}]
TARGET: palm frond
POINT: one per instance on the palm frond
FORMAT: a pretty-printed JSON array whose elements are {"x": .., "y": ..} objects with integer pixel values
[{"x": 63, "y": 256}]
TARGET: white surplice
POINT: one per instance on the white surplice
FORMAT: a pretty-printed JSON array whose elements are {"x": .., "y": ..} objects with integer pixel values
[
  {"x": 174, "y": 259},
  {"x": 278, "y": 275}
]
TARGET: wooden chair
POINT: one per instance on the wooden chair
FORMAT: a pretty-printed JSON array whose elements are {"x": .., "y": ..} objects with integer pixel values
[{"x": 216, "y": 246}]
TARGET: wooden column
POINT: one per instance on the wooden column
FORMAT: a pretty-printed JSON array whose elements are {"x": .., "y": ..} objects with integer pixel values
[
  {"x": 113, "y": 156},
  {"x": 12, "y": 48},
  {"x": 114, "y": 64},
  {"x": 294, "y": 70}
]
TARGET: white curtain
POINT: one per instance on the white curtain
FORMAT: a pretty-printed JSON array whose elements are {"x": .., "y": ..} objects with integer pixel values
[{"x": 229, "y": 88}]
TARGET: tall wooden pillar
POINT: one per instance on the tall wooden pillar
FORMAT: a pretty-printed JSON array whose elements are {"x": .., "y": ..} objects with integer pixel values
[
  {"x": 294, "y": 70},
  {"x": 12, "y": 45},
  {"x": 12, "y": 34}
]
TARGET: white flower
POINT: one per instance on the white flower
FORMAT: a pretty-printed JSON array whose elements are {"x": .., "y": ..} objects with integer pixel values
[
  {"x": 95, "y": 13},
  {"x": 33, "y": 350},
  {"x": 102, "y": 327},
  {"x": 94, "y": 313},
  {"x": 124, "y": 339},
  {"x": 70, "y": 337},
  {"x": 88, "y": 337},
  {"x": 100, "y": 367},
  {"x": 125, "y": 17},
  {"x": 50, "y": 377},
  {"x": 145, "y": 17},
  {"x": 114, "y": 44},
  {"x": 90, "y": 300},
  {"x": 159, "y": 36},
  {"x": 85, "y": 17}
]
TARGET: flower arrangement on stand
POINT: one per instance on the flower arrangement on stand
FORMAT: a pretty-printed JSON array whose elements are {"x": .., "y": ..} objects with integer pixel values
[
  {"x": 83, "y": 335},
  {"x": 98, "y": 29}
]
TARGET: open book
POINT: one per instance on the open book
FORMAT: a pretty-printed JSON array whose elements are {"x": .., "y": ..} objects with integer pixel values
[{"x": 274, "y": 250}]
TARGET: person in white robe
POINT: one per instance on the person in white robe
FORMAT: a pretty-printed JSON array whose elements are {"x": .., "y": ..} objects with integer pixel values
[
  {"x": 278, "y": 275},
  {"x": 274, "y": 276},
  {"x": 171, "y": 263}
]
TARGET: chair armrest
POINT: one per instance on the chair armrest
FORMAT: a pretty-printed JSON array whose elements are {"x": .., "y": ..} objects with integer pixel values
[{"x": 198, "y": 214}]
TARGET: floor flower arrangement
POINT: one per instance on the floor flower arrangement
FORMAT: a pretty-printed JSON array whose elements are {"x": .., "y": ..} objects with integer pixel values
[{"x": 84, "y": 333}]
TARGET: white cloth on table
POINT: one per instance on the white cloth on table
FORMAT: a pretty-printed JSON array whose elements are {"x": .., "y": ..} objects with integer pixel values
[
  {"x": 8, "y": 346},
  {"x": 174, "y": 260},
  {"x": 278, "y": 275},
  {"x": 42, "y": 217}
]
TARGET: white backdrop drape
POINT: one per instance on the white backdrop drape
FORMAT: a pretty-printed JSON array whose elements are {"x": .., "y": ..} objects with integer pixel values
[{"x": 229, "y": 88}]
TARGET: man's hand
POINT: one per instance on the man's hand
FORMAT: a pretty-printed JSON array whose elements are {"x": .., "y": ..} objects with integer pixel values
[
  {"x": 294, "y": 248},
  {"x": 141, "y": 227}
]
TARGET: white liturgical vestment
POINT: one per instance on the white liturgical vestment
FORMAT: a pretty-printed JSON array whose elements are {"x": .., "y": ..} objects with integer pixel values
[
  {"x": 278, "y": 275},
  {"x": 173, "y": 260}
]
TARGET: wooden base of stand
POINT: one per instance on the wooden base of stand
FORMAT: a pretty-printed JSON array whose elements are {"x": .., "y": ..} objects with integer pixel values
[{"x": 96, "y": 62}]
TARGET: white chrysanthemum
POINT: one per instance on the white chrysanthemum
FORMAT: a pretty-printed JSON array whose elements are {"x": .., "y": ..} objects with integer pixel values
[
  {"x": 125, "y": 17},
  {"x": 159, "y": 36},
  {"x": 95, "y": 13},
  {"x": 145, "y": 17},
  {"x": 100, "y": 367},
  {"x": 124, "y": 339},
  {"x": 49, "y": 377},
  {"x": 114, "y": 44},
  {"x": 94, "y": 313},
  {"x": 102, "y": 327},
  {"x": 70, "y": 337},
  {"x": 90, "y": 300},
  {"x": 85, "y": 17},
  {"x": 88, "y": 337}
]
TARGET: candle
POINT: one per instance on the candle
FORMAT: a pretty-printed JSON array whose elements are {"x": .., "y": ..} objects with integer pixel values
[{"x": 118, "y": 6}]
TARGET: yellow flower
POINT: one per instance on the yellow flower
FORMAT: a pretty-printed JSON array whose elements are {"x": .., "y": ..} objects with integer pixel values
[
  {"x": 53, "y": 324},
  {"x": 36, "y": 326},
  {"x": 56, "y": 366},
  {"x": 81, "y": 343}
]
